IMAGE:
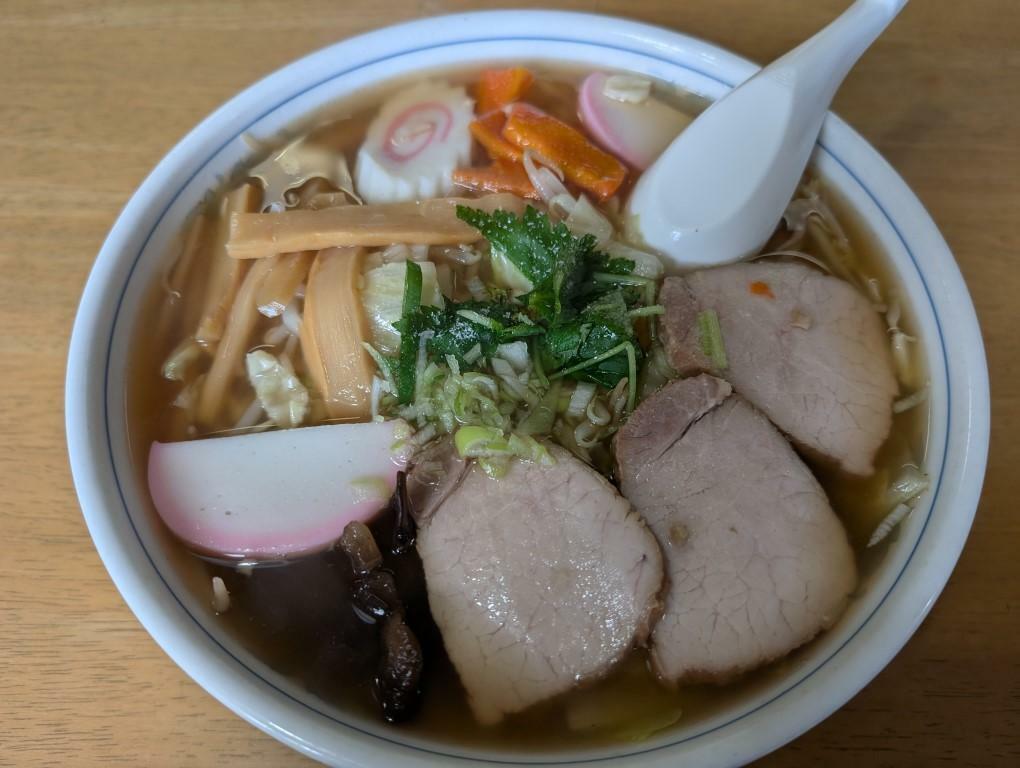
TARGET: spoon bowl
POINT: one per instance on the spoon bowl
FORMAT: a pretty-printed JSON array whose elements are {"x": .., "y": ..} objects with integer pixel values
[{"x": 718, "y": 191}]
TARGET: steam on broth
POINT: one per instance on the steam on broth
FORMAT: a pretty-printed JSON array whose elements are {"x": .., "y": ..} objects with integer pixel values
[{"x": 445, "y": 272}]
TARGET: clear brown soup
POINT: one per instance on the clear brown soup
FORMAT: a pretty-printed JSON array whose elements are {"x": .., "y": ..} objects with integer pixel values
[{"x": 296, "y": 617}]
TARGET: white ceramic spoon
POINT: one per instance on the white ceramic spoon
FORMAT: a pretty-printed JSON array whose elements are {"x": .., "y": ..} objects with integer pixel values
[{"x": 718, "y": 191}]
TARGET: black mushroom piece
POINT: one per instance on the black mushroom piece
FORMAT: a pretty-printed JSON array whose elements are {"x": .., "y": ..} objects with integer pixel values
[
  {"x": 376, "y": 600},
  {"x": 375, "y": 593},
  {"x": 399, "y": 669},
  {"x": 404, "y": 529},
  {"x": 359, "y": 545}
]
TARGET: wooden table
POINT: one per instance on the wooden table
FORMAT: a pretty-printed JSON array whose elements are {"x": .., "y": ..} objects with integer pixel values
[{"x": 93, "y": 94}]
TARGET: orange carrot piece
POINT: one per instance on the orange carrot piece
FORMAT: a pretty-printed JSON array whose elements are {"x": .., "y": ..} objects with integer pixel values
[
  {"x": 581, "y": 161},
  {"x": 487, "y": 131},
  {"x": 758, "y": 288},
  {"x": 499, "y": 87},
  {"x": 501, "y": 176}
]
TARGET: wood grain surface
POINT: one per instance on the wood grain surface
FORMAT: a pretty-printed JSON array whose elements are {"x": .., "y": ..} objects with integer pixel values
[{"x": 93, "y": 94}]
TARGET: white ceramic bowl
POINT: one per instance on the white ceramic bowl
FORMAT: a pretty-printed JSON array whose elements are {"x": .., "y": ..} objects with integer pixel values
[{"x": 893, "y": 601}]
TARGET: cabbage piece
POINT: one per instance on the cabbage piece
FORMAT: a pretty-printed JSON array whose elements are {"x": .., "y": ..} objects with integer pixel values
[
  {"x": 182, "y": 360},
  {"x": 625, "y": 706},
  {"x": 382, "y": 296},
  {"x": 586, "y": 219},
  {"x": 910, "y": 483},
  {"x": 517, "y": 354},
  {"x": 282, "y": 395},
  {"x": 506, "y": 275},
  {"x": 645, "y": 264}
]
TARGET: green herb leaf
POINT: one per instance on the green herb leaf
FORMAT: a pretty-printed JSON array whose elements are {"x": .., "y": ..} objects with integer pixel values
[
  {"x": 549, "y": 256},
  {"x": 617, "y": 266},
  {"x": 604, "y": 324},
  {"x": 577, "y": 317},
  {"x": 404, "y": 372},
  {"x": 459, "y": 328},
  {"x": 412, "y": 289}
]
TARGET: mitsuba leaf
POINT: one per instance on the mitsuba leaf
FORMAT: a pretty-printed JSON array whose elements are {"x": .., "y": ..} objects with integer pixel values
[
  {"x": 601, "y": 325},
  {"x": 458, "y": 328},
  {"x": 554, "y": 260}
]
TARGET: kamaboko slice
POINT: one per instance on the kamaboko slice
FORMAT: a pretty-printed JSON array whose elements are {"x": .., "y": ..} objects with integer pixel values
[
  {"x": 275, "y": 494},
  {"x": 414, "y": 144}
]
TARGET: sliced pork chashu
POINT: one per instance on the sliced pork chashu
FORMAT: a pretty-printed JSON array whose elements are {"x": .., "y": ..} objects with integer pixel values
[
  {"x": 757, "y": 563},
  {"x": 538, "y": 581},
  {"x": 805, "y": 348}
]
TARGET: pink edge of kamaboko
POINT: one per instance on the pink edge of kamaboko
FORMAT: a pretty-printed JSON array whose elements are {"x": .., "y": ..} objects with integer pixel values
[{"x": 274, "y": 494}]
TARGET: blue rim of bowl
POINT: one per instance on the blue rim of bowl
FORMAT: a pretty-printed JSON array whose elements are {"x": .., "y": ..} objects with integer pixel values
[{"x": 545, "y": 759}]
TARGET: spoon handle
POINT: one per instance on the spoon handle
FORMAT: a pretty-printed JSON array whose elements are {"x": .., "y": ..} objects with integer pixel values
[
  {"x": 817, "y": 66},
  {"x": 715, "y": 194}
]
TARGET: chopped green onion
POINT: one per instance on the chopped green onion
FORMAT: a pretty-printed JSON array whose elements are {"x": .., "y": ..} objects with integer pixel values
[
  {"x": 540, "y": 418},
  {"x": 492, "y": 362},
  {"x": 382, "y": 363},
  {"x": 536, "y": 366},
  {"x": 479, "y": 319},
  {"x": 631, "y": 379},
  {"x": 607, "y": 277},
  {"x": 487, "y": 443},
  {"x": 527, "y": 448},
  {"x": 494, "y": 466},
  {"x": 711, "y": 339},
  {"x": 649, "y": 311},
  {"x": 475, "y": 441}
]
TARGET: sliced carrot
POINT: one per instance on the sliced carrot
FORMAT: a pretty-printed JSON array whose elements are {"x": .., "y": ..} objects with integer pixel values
[
  {"x": 499, "y": 87},
  {"x": 501, "y": 176},
  {"x": 581, "y": 161},
  {"x": 758, "y": 288},
  {"x": 486, "y": 131},
  {"x": 493, "y": 122}
]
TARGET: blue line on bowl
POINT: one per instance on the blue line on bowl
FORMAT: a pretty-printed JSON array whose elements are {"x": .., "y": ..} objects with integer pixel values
[{"x": 544, "y": 759}]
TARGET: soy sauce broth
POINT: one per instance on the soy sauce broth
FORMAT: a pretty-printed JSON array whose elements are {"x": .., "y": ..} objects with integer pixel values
[{"x": 297, "y": 617}]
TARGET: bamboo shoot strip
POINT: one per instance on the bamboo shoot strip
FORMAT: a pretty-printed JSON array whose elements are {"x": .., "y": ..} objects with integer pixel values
[
  {"x": 430, "y": 222},
  {"x": 194, "y": 245},
  {"x": 225, "y": 274},
  {"x": 282, "y": 281},
  {"x": 229, "y": 359},
  {"x": 333, "y": 331},
  {"x": 178, "y": 316}
]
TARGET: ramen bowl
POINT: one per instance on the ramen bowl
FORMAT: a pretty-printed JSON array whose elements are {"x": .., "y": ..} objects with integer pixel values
[{"x": 894, "y": 596}]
